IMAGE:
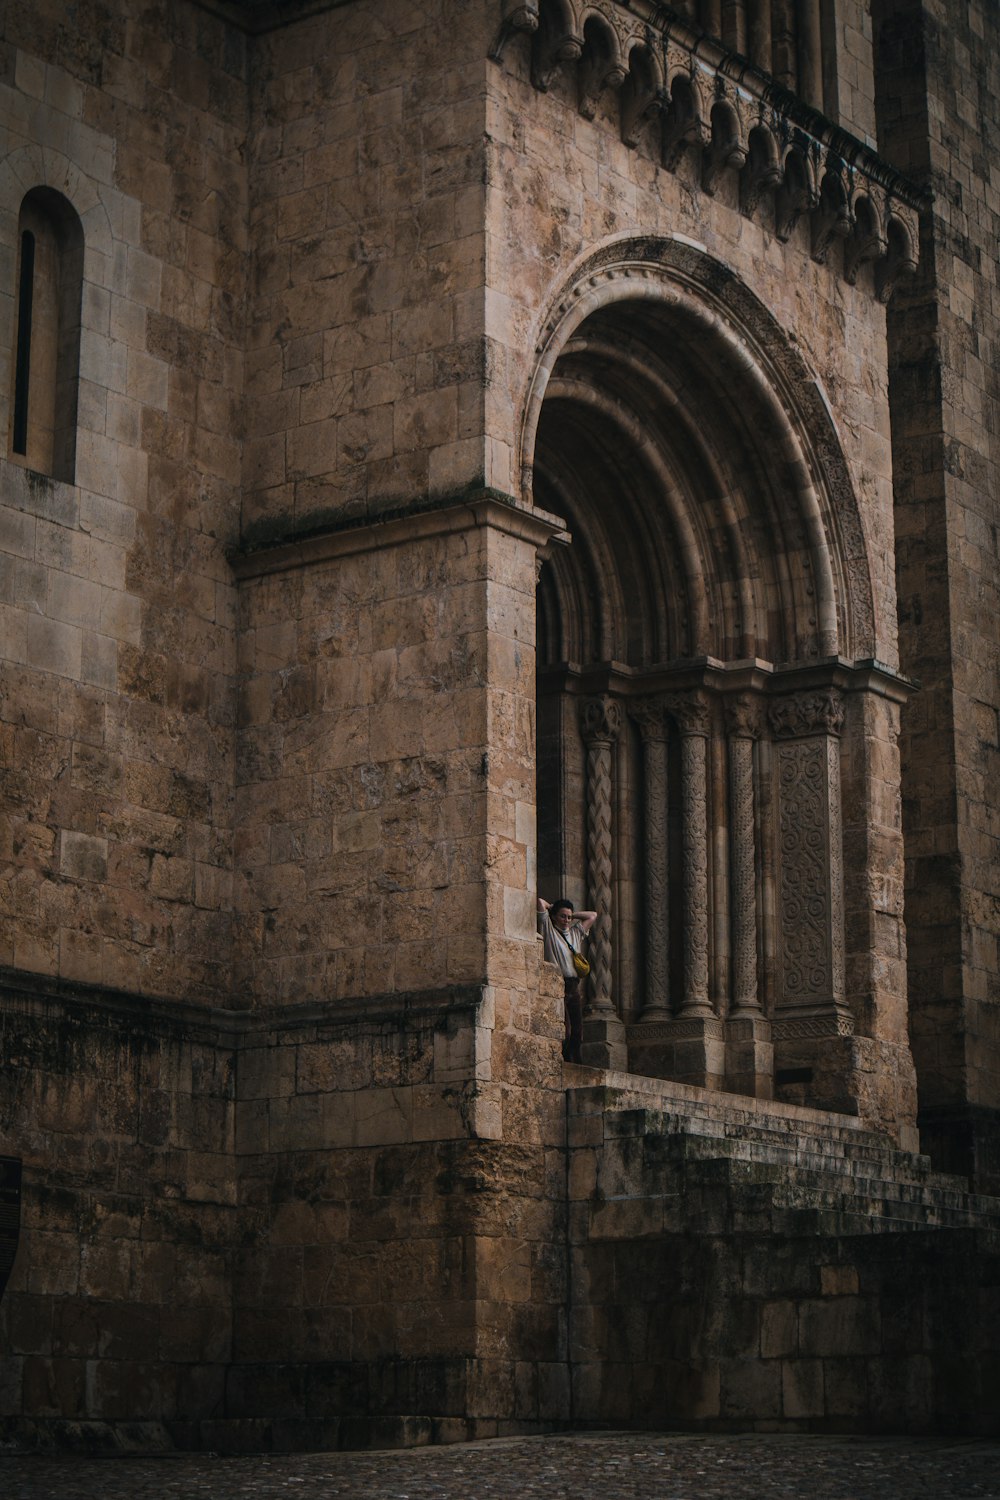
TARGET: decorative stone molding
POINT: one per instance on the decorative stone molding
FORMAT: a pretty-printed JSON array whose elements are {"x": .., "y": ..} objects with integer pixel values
[
  {"x": 795, "y": 1028},
  {"x": 680, "y": 1030},
  {"x": 739, "y": 119}
]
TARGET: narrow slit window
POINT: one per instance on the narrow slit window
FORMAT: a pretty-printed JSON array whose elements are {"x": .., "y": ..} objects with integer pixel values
[
  {"x": 47, "y": 349},
  {"x": 22, "y": 373}
]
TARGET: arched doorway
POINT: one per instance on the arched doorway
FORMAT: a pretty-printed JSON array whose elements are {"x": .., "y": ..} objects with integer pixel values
[{"x": 702, "y": 645}]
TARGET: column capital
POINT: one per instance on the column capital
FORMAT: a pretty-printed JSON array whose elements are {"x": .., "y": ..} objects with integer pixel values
[
  {"x": 743, "y": 716},
  {"x": 651, "y": 716},
  {"x": 601, "y": 720},
  {"x": 803, "y": 714},
  {"x": 690, "y": 712}
]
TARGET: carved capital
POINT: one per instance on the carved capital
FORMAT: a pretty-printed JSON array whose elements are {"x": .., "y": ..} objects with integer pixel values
[
  {"x": 651, "y": 716},
  {"x": 804, "y": 714},
  {"x": 689, "y": 711},
  {"x": 743, "y": 716},
  {"x": 601, "y": 720}
]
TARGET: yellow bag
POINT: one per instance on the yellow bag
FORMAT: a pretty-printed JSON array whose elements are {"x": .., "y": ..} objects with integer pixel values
[{"x": 581, "y": 965}]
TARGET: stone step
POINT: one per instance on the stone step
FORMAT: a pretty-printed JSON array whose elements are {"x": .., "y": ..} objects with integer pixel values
[{"x": 760, "y": 1164}]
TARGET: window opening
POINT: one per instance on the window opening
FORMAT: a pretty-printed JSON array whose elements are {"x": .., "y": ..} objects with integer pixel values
[
  {"x": 46, "y": 372},
  {"x": 22, "y": 371}
]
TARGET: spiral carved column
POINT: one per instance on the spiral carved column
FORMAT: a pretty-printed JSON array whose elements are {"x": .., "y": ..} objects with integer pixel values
[
  {"x": 650, "y": 716},
  {"x": 601, "y": 723},
  {"x": 691, "y": 714}
]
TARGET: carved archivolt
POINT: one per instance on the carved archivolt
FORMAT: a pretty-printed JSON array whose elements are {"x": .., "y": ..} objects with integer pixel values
[
  {"x": 662, "y": 71},
  {"x": 695, "y": 301}
]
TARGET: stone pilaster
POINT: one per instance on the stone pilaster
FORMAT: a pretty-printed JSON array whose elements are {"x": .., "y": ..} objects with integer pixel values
[{"x": 812, "y": 1023}]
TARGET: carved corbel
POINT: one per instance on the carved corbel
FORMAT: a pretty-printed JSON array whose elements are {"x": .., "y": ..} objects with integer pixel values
[
  {"x": 796, "y": 196},
  {"x": 832, "y": 218},
  {"x": 641, "y": 94},
  {"x": 867, "y": 241},
  {"x": 903, "y": 256},
  {"x": 518, "y": 15},
  {"x": 727, "y": 149},
  {"x": 762, "y": 172},
  {"x": 551, "y": 47},
  {"x": 683, "y": 125},
  {"x": 600, "y": 68}
]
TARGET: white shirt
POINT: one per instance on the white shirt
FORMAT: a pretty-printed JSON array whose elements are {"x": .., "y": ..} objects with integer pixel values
[{"x": 560, "y": 946}]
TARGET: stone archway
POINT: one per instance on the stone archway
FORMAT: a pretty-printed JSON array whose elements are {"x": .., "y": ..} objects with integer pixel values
[{"x": 703, "y": 642}]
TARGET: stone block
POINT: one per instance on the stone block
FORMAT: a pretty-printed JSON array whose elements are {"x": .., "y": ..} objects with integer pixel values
[{"x": 802, "y": 1389}]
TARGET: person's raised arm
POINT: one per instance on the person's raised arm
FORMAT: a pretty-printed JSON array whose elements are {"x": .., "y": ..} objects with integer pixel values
[
  {"x": 586, "y": 919},
  {"x": 543, "y": 905}
]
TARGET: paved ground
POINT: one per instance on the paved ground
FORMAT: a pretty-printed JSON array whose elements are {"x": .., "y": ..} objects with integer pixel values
[{"x": 605, "y": 1466}]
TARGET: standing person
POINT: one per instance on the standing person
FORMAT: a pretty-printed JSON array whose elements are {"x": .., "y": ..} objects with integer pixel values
[{"x": 563, "y": 933}]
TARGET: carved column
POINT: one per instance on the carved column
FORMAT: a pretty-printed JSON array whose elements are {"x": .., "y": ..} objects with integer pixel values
[
  {"x": 604, "y": 1033},
  {"x": 697, "y": 1033},
  {"x": 649, "y": 715},
  {"x": 691, "y": 714},
  {"x": 810, "y": 1008},
  {"x": 749, "y": 1054},
  {"x": 742, "y": 720}
]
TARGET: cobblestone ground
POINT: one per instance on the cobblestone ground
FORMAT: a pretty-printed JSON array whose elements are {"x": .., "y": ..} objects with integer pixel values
[{"x": 605, "y": 1466}]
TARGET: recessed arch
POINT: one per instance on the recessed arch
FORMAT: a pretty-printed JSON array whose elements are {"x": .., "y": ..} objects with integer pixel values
[
  {"x": 674, "y": 318},
  {"x": 716, "y": 560}
]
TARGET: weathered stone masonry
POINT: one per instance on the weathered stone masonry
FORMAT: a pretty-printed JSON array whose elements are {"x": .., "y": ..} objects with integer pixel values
[{"x": 452, "y": 453}]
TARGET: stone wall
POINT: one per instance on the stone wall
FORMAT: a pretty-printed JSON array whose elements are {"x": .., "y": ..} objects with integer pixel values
[
  {"x": 938, "y": 72},
  {"x": 365, "y": 356},
  {"x": 288, "y": 1230},
  {"x": 118, "y": 606},
  {"x": 118, "y": 1310}
]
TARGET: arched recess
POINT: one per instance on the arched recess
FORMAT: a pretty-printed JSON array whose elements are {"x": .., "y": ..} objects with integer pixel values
[{"x": 694, "y": 643}]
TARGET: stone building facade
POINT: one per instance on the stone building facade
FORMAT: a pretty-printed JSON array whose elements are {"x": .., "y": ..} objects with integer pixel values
[{"x": 454, "y": 452}]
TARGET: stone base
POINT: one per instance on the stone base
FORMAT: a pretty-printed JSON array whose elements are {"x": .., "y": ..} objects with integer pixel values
[
  {"x": 687, "y": 1049},
  {"x": 604, "y": 1044},
  {"x": 814, "y": 1061},
  {"x": 749, "y": 1057}
]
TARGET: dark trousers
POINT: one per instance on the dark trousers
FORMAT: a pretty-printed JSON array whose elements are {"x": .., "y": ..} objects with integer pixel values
[{"x": 574, "y": 1021}]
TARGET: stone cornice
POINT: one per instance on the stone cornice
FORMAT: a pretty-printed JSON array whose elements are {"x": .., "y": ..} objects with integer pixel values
[
  {"x": 451, "y": 513},
  {"x": 728, "y": 679},
  {"x": 48, "y": 998}
]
